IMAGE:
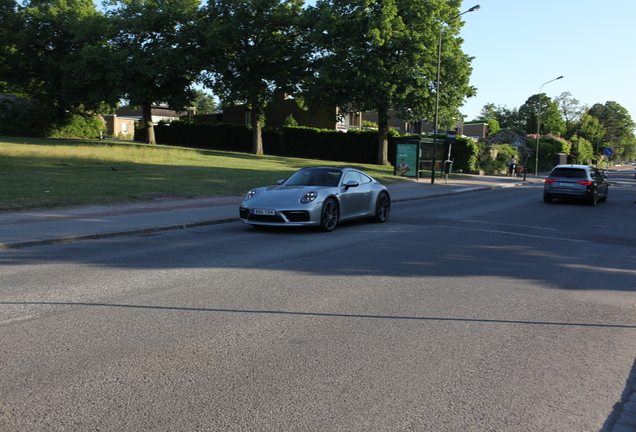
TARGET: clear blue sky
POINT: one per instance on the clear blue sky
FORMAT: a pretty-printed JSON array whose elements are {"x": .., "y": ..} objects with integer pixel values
[{"x": 518, "y": 45}]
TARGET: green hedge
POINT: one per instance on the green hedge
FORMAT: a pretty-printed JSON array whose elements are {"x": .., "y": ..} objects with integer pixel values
[
  {"x": 302, "y": 142},
  {"x": 354, "y": 146},
  {"x": 207, "y": 136}
]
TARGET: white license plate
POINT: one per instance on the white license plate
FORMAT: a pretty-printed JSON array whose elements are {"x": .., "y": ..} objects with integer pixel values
[
  {"x": 567, "y": 185},
  {"x": 264, "y": 212}
]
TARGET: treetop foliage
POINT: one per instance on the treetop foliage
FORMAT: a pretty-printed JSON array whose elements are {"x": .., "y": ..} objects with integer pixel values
[
  {"x": 359, "y": 54},
  {"x": 595, "y": 128}
]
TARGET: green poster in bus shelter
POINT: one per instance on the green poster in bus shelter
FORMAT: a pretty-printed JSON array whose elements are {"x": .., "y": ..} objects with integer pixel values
[{"x": 406, "y": 160}]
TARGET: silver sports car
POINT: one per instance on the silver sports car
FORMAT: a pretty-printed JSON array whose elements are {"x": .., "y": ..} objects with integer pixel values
[{"x": 318, "y": 196}]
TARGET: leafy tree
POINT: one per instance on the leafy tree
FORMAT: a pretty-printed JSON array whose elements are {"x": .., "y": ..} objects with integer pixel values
[
  {"x": 507, "y": 119},
  {"x": 571, "y": 110},
  {"x": 153, "y": 44},
  {"x": 618, "y": 124},
  {"x": 488, "y": 111},
  {"x": 92, "y": 73},
  {"x": 21, "y": 116},
  {"x": 205, "y": 103},
  {"x": 590, "y": 129},
  {"x": 373, "y": 55},
  {"x": 582, "y": 150},
  {"x": 252, "y": 50},
  {"x": 551, "y": 121},
  {"x": 8, "y": 29},
  {"x": 50, "y": 37}
]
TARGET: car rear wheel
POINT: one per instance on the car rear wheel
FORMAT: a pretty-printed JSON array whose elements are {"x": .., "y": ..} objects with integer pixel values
[
  {"x": 547, "y": 198},
  {"x": 382, "y": 208},
  {"x": 594, "y": 198},
  {"x": 329, "y": 216}
]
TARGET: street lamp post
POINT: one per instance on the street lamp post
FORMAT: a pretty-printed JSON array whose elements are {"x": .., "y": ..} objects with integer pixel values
[
  {"x": 439, "y": 63},
  {"x": 536, "y": 153}
]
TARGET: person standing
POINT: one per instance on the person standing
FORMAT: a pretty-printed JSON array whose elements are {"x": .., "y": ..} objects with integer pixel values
[{"x": 512, "y": 164}]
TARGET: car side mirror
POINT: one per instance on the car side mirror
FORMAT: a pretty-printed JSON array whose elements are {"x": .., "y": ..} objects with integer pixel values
[
  {"x": 351, "y": 183},
  {"x": 281, "y": 181}
]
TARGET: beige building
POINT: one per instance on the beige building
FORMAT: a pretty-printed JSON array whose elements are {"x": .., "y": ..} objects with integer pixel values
[
  {"x": 120, "y": 126},
  {"x": 472, "y": 130},
  {"x": 122, "y": 123}
]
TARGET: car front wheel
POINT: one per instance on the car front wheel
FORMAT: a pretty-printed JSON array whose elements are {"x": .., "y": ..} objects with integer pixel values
[
  {"x": 382, "y": 208},
  {"x": 329, "y": 216}
]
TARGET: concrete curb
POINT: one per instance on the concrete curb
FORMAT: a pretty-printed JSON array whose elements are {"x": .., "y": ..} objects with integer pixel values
[{"x": 70, "y": 239}]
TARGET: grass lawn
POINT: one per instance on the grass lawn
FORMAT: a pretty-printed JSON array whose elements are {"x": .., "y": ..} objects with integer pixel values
[{"x": 48, "y": 173}]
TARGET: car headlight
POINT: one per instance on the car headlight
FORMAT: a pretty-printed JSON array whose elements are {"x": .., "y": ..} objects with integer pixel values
[
  {"x": 250, "y": 194},
  {"x": 309, "y": 197}
]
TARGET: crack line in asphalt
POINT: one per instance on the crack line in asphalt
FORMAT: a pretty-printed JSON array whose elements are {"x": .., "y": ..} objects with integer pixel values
[{"x": 319, "y": 314}]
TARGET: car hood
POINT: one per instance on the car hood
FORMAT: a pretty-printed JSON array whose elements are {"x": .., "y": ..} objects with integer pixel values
[{"x": 280, "y": 194}]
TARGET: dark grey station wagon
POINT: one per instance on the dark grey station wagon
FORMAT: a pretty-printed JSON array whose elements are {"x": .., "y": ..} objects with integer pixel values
[{"x": 581, "y": 182}]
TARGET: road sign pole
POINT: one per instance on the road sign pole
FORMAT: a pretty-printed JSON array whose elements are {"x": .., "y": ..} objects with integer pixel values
[{"x": 608, "y": 152}]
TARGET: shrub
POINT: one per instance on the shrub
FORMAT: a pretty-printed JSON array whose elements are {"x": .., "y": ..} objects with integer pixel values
[
  {"x": 547, "y": 151},
  {"x": 291, "y": 121},
  {"x": 493, "y": 158},
  {"x": 23, "y": 117},
  {"x": 464, "y": 154},
  {"x": 493, "y": 126},
  {"x": 77, "y": 126}
]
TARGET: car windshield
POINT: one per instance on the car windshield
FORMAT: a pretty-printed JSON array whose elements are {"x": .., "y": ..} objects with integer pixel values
[
  {"x": 314, "y": 177},
  {"x": 569, "y": 173}
]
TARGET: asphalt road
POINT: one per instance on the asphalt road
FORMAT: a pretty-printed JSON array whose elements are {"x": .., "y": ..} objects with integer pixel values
[{"x": 489, "y": 311}]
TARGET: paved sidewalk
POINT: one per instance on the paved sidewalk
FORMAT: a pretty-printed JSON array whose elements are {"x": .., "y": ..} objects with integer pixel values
[{"x": 41, "y": 227}]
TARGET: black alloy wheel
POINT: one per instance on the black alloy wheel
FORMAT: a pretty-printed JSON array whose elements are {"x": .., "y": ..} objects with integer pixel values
[{"x": 382, "y": 208}]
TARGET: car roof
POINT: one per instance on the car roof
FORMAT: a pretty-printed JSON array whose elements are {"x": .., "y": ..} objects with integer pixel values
[
  {"x": 325, "y": 167},
  {"x": 573, "y": 166}
]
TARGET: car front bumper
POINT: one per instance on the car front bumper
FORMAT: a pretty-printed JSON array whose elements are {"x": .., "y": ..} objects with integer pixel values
[{"x": 293, "y": 217}]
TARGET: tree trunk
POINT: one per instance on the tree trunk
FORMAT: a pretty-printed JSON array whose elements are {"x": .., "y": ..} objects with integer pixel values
[
  {"x": 383, "y": 137},
  {"x": 256, "y": 130},
  {"x": 148, "y": 125}
]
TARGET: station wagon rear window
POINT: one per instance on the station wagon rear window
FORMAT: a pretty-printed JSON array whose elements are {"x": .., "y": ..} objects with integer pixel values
[{"x": 569, "y": 173}]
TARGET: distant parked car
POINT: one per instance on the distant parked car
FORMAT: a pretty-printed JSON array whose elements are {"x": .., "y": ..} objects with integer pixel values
[
  {"x": 580, "y": 182},
  {"x": 317, "y": 196}
]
